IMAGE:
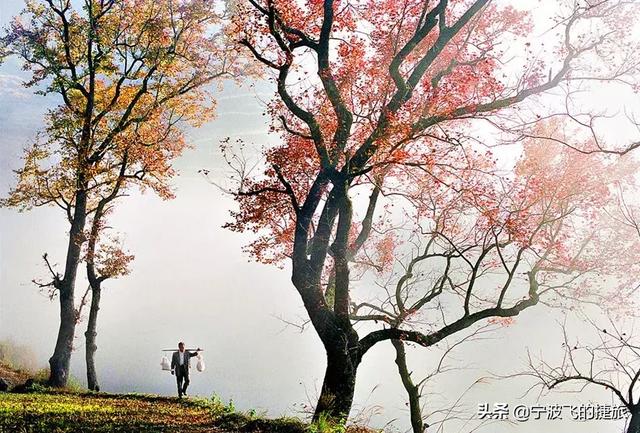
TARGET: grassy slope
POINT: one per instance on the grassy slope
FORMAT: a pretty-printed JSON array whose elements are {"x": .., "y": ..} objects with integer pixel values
[
  {"x": 63, "y": 412},
  {"x": 54, "y": 411}
]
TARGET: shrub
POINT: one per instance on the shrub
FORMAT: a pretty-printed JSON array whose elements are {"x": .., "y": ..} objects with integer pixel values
[
  {"x": 326, "y": 425},
  {"x": 73, "y": 384}
]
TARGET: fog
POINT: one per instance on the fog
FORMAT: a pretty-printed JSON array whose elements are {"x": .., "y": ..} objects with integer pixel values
[{"x": 190, "y": 281}]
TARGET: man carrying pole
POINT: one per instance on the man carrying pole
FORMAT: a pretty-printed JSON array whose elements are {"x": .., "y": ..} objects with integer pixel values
[{"x": 180, "y": 367}]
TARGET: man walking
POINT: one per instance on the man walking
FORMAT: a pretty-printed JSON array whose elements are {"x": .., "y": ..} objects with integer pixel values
[{"x": 180, "y": 367}]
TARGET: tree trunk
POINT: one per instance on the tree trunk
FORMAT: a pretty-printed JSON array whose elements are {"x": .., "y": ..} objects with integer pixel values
[
  {"x": 336, "y": 396},
  {"x": 417, "y": 424},
  {"x": 95, "y": 282},
  {"x": 90, "y": 335},
  {"x": 331, "y": 322},
  {"x": 634, "y": 423},
  {"x": 59, "y": 361}
]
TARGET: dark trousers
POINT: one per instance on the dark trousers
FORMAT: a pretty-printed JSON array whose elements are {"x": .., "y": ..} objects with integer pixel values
[{"x": 182, "y": 374}]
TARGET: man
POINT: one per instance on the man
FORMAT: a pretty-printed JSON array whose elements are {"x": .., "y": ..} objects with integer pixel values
[{"x": 180, "y": 367}]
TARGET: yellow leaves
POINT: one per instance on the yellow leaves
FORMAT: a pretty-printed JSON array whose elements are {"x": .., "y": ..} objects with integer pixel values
[
  {"x": 130, "y": 78},
  {"x": 37, "y": 182},
  {"x": 76, "y": 99},
  {"x": 70, "y": 412},
  {"x": 111, "y": 261},
  {"x": 34, "y": 7}
]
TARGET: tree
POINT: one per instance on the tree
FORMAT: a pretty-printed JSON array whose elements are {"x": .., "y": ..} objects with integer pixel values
[
  {"x": 144, "y": 161},
  {"x": 121, "y": 68},
  {"x": 609, "y": 357},
  {"x": 610, "y": 361},
  {"x": 373, "y": 98},
  {"x": 543, "y": 231},
  {"x": 427, "y": 415}
]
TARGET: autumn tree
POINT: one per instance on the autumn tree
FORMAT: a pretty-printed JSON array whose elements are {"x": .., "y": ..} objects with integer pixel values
[
  {"x": 121, "y": 68},
  {"x": 373, "y": 98},
  {"x": 143, "y": 160},
  {"x": 422, "y": 414},
  {"x": 539, "y": 237}
]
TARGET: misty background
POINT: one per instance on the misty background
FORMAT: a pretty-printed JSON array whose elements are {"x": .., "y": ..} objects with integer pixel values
[{"x": 187, "y": 265}]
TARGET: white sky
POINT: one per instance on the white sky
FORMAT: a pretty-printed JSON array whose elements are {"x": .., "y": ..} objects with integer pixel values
[{"x": 187, "y": 265}]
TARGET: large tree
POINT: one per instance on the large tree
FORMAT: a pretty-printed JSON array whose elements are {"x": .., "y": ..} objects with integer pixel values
[
  {"x": 383, "y": 99},
  {"x": 119, "y": 68}
]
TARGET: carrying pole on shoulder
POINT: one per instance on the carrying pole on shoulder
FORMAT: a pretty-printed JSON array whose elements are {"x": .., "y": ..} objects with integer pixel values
[{"x": 175, "y": 350}]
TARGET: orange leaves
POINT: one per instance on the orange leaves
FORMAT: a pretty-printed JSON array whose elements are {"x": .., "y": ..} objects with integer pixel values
[
  {"x": 559, "y": 208},
  {"x": 264, "y": 207},
  {"x": 368, "y": 36},
  {"x": 111, "y": 261},
  {"x": 128, "y": 73},
  {"x": 385, "y": 248}
]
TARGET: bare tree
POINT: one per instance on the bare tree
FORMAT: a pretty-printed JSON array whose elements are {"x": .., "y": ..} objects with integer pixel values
[{"x": 612, "y": 362}]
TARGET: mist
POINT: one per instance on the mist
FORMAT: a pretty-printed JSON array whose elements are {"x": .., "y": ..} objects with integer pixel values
[{"x": 191, "y": 282}]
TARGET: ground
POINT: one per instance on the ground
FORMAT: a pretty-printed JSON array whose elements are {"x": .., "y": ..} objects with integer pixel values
[
  {"x": 77, "y": 412},
  {"x": 38, "y": 409},
  {"x": 12, "y": 376},
  {"x": 66, "y": 412}
]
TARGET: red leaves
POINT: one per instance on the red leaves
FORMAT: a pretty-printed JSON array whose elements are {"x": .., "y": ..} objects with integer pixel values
[
  {"x": 502, "y": 321},
  {"x": 409, "y": 99}
]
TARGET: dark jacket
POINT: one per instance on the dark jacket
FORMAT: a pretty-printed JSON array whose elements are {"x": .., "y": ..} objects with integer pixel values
[{"x": 175, "y": 360}]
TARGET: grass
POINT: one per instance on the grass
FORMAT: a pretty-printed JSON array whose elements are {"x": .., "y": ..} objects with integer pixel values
[
  {"x": 71, "y": 412},
  {"x": 76, "y": 410},
  {"x": 15, "y": 375},
  {"x": 59, "y": 412}
]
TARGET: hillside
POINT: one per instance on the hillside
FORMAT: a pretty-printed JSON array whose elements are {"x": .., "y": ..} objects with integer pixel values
[
  {"x": 42, "y": 410},
  {"x": 11, "y": 376},
  {"x": 66, "y": 412}
]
